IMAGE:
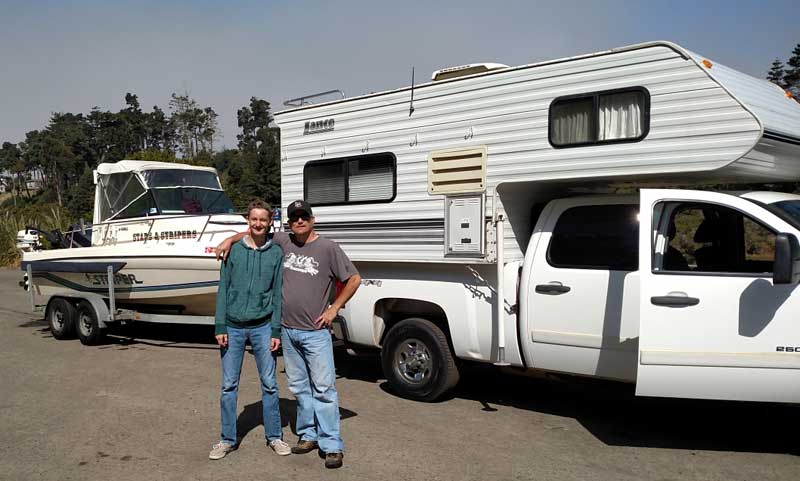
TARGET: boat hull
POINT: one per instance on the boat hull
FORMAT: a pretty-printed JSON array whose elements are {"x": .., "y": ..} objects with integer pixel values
[{"x": 157, "y": 282}]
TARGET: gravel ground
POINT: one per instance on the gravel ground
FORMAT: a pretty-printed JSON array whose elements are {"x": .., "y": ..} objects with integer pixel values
[{"x": 145, "y": 405}]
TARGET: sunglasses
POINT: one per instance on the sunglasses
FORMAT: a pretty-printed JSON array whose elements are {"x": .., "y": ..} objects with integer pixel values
[{"x": 295, "y": 218}]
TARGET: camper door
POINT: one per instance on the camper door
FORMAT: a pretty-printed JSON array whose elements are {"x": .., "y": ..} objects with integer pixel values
[{"x": 713, "y": 324}]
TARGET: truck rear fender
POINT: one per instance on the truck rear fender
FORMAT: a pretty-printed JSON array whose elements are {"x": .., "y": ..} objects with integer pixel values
[{"x": 391, "y": 310}]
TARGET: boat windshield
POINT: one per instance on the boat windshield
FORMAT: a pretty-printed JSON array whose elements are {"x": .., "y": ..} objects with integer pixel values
[
  {"x": 191, "y": 200},
  {"x": 167, "y": 191},
  {"x": 181, "y": 178}
]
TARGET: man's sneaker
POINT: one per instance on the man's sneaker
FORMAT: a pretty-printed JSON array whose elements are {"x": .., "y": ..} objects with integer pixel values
[
  {"x": 220, "y": 450},
  {"x": 280, "y": 447},
  {"x": 333, "y": 460},
  {"x": 303, "y": 447}
]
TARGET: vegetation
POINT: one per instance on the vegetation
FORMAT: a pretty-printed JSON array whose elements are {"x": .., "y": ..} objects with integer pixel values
[
  {"x": 49, "y": 174},
  {"x": 787, "y": 76}
]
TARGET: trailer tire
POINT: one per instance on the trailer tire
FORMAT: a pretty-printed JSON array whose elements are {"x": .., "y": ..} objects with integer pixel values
[
  {"x": 89, "y": 331},
  {"x": 417, "y": 360},
  {"x": 61, "y": 318}
]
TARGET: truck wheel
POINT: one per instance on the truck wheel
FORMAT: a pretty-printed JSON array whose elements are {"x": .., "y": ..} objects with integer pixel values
[
  {"x": 61, "y": 318},
  {"x": 89, "y": 331},
  {"x": 417, "y": 360}
]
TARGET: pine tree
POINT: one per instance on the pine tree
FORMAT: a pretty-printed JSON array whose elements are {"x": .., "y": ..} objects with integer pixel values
[
  {"x": 791, "y": 78},
  {"x": 776, "y": 73}
]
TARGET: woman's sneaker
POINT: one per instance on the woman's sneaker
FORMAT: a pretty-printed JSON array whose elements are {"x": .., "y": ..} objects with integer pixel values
[
  {"x": 280, "y": 447},
  {"x": 220, "y": 450}
]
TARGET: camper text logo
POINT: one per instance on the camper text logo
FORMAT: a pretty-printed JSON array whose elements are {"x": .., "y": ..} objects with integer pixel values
[{"x": 318, "y": 126}]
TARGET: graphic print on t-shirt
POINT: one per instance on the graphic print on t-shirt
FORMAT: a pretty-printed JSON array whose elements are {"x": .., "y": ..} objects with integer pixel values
[{"x": 304, "y": 264}]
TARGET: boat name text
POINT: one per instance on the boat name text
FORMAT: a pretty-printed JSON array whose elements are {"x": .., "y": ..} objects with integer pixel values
[
  {"x": 102, "y": 279},
  {"x": 166, "y": 235}
]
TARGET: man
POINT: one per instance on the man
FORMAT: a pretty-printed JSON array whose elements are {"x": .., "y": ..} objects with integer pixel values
[
  {"x": 249, "y": 307},
  {"x": 312, "y": 266}
]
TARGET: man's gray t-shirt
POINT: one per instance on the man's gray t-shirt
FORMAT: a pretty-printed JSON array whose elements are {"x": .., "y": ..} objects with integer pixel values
[{"x": 310, "y": 272}]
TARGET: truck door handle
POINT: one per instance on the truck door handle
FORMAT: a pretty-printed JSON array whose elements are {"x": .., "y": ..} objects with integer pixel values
[
  {"x": 553, "y": 289},
  {"x": 674, "y": 300}
]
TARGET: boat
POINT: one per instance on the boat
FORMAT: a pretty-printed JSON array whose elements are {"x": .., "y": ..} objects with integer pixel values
[{"x": 154, "y": 229}]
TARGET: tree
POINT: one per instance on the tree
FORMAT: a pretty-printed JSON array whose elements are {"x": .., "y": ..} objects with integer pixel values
[
  {"x": 11, "y": 163},
  {"x": 791, "y": 78},
  {"x": 775, "y": 74},
  {"x": 195, "y": 127},
  {"x": 259, "y": 145}
]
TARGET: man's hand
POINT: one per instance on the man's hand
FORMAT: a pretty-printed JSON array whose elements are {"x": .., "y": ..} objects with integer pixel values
[
  {"x": 222, "y": 340},
  {"x": 274, "y": 344},
  {"x": 223, "y": 249},
  {"x": 327, "y": 317}
]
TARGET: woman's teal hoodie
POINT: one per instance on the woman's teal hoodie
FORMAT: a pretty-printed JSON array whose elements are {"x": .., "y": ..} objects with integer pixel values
[{"x": 249, "y": 292}]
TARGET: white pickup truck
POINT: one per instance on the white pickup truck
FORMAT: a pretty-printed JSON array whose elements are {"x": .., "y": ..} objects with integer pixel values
[{"x": 686, "y": 293}]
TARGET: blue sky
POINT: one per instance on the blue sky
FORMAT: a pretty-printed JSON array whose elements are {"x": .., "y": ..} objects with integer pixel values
[{"x": 72, "y": 56}]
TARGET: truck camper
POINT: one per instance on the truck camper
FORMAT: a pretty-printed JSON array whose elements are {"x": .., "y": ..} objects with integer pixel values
[{"x": 543, "y": 217}]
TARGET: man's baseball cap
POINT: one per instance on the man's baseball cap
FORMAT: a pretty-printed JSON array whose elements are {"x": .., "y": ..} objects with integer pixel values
[{"x": 299, "y": 207}]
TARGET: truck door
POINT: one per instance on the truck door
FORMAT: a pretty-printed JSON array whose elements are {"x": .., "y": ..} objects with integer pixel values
[{"x": 712, "y": 323}]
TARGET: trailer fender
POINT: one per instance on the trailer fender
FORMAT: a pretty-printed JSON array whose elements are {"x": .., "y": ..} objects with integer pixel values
[{"x": 97, "y": 301}]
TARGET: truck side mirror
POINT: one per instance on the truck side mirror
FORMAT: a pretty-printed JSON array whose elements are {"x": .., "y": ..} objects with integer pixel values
[{"x": 787, "y": 259}]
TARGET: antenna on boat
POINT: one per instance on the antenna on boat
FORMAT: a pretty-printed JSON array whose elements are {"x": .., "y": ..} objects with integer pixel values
[{"x": 411, "y": 104}]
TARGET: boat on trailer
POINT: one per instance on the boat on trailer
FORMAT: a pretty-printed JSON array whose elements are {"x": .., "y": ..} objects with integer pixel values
[{"x": 151, "y": 255}]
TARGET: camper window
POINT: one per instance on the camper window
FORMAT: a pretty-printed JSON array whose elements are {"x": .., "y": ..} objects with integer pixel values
[
  {"x": 596, "y": 237},
  {"x": 351, "y": 180},
  {"x": 600, "y": 118}
]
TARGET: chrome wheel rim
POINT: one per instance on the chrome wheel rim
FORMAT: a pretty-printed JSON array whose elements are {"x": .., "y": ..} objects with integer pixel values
[
  {"x": 85, "y": 323},
  {"x": 412, "y": 361},
  {"x": 57, "y": 320}
]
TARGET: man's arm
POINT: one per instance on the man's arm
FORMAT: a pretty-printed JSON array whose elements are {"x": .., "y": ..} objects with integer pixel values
[
  {"x": 350, "y": 287},
  {"x": 224, "y": 247}
]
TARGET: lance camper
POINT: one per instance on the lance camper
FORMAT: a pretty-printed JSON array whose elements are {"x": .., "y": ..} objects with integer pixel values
[{"x": 543, "y": 217}]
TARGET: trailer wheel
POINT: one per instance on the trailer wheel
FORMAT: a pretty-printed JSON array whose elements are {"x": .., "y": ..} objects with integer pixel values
[
  {"x": 61, "y": 318},
  {"x": 417, "y": 360},
  {"x": 89, "y": 331}
]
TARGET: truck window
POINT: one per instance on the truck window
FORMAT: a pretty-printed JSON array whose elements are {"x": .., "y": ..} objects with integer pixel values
[
  {"x": 712, "y": 238},
  {"x": 596, "y": 237}
]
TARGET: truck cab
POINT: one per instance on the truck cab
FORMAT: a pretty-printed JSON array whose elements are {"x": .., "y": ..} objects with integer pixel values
[{"x": 686, "y": 293}]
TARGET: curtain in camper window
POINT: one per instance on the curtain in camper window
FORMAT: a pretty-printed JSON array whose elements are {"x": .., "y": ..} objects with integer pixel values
[
  {"x": 571, "y": 122},
  {"x": 371, "y": 179},
  {"x": 620, "y": 116},
  {"x": 325, "y": 183}
]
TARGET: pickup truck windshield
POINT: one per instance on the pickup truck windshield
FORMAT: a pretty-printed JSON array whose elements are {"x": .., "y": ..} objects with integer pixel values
[{"x": 788, "y": 210}]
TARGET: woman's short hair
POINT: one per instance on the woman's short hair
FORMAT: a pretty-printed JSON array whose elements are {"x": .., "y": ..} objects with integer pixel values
[{"x": 259, "y": 204}]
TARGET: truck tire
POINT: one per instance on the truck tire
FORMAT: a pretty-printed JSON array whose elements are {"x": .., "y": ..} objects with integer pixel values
[
  {"x": 61, "y": 318},
  {"x": 417, "y": 360},
  {"x": 89, "y": 331}
]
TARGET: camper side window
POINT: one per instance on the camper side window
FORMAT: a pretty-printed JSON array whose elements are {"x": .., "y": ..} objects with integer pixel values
[
  {"x": 351, "y": 180},
  {"x": 600, "y": 118}
]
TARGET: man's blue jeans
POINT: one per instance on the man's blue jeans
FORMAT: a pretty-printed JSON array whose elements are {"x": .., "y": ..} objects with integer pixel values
[
  {"x": 232, "y": 357},
  {"x": 308, "y": 356}
]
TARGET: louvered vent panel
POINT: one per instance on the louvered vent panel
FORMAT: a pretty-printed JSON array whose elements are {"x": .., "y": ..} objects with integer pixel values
[{"x": 458, "y": 171}]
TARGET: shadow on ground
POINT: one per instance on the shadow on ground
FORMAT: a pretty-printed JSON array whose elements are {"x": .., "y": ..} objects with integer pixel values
[
  {"x": 251, "y": 417},
  {"x": 613, "y": 414}
]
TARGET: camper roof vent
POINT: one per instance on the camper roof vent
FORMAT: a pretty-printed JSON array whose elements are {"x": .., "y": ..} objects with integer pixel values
[{"x": 464, "y": 70}]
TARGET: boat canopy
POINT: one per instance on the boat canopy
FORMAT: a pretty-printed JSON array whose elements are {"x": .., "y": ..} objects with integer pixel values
[{"x": 130, "y": 188}]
